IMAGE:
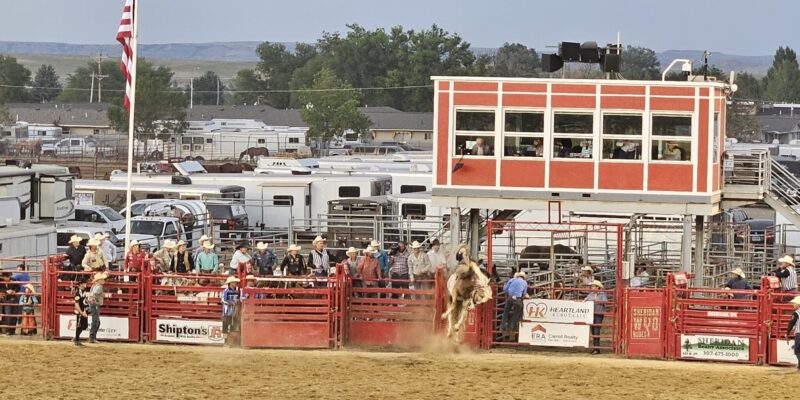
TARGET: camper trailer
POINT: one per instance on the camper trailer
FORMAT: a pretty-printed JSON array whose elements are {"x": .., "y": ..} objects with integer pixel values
[{"x": 113, "y": 193}]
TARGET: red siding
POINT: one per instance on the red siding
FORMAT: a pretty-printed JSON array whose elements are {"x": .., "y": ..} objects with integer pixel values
[
  {"x": 444, "y": 85},
  {"x": 442, "y": 138},
  {"x": 476, "y": 86},
  {"x": 621, "y": 176},
  {"x": 563, "y": 88},
  {"x": 525, "y": 87},
  {"x": 571, "y": 174},
  {"x": 669, "y": 177},
  {"x": 475, "y": 99},
  {"x": 617, "y": 102},
  {"x": 525, "y": 100},
  {"x": 573, "y": 101},
  {"x": 671, "y": 91},
  {"x": 475, "y": 173},
  {"x": 612, "y": 89},
  {"x": 522, "y": 173},
  {"x": 702, "y": 147},
  {"x": 671, "y": 104}
]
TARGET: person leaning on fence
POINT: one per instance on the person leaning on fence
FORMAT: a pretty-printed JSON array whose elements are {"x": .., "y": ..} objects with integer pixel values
[
  {"x": 75, "y": 253},
  {"x": 436, "y": 255},
  {"x": 263, "y": 259},
  {"x": 230, "y": 302},
  {"x": 8, "y": 298},
  {"x": 368, "y": 270},
  {"x": 352, "y": 261},
  {"x": 738, "y": 281},
  {"x": 182, "y": 262},
  {"x": 165, "y": 255},
  {"x": 319, "y": 259},
  {"x": 398, "y": 267},
  {"x": 293, "y": 264},
  {"x": 419, "y": 267},
  {"x": 586, "y": 277},
  {"x": 516, "y": 289},
  {"x": 241, "y": 256},
  {"x": 599, "y": 298},
  {"x": 134, "y": 260},
  {"x": 81, "y": 305},
  {"x": 28, "y": 301},
  {"x": 200, "y": 247},
  {"x": 382, "y": 256},
  {"x": 108, "y": 248},
  {"x": 787, "y": 274},
  {"x": 21, "y": 276},
  {"x": 94, "y": 260},
  {"x": 207, "y": 262},
  {"x": 95, "y": 300}
]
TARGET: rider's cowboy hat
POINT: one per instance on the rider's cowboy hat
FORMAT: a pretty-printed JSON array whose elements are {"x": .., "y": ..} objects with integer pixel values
[
  {"x": 75, "y": 238},
  {"x": 738, "y": 271},
  {"x": 261, "y": 246},
  {"x": 415, "y": 245},
  {"x": 786, "y": 260},
  {"x": 232, "y": 279}
]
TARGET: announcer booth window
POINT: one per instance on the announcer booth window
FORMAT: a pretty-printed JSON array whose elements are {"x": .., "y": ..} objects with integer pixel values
[
  {"x": 523, "y": 134},
  {"x": 622, "y": 136},
  {"x": 671, "y": 138},
  {"x": 475, "y": 133},
  {"x": 573, "y": 135}
]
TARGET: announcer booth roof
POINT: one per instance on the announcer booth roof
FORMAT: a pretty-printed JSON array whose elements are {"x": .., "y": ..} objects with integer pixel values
[{"x": 594, "y": 145}]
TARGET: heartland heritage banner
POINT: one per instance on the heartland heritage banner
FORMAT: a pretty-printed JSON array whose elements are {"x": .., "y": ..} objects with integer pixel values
[
  {"x": 720, "y": 348},
  {"x": 561, "y": 311},
  {"x": 555, "y": 335}
]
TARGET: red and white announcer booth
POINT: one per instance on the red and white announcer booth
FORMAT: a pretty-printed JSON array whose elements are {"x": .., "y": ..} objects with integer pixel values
[{"x": 593, "y": 145}]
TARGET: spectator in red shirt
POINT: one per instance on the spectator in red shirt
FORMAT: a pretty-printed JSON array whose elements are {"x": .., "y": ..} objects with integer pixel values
[
  {"x": 368, "y": 270},
  {"x": 134, "y": 261}
]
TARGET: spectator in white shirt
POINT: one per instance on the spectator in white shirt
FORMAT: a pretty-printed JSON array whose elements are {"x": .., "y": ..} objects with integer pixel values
[
  {"x": 239, "y": 257},
  {"x": 436, "y": 255},
  {"x": 108, "y": 248}
]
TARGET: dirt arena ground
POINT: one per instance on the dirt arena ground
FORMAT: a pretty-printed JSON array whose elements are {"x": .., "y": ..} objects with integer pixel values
[{"x": 57, "y": 370}]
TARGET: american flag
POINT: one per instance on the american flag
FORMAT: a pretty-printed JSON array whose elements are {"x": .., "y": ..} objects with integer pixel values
[{"x": 124, "y": 36}]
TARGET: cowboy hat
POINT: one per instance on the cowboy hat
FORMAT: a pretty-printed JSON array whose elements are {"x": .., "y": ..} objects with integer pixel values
[
  {"x": 415, "y": 245},
  {"x": 250, "y": 278},
  {"x": 242, "y": 245},
  {"x": 294, "y": 247},
  {"x": 106, "y": 235},
  {"x": 100, "y": 276},
  {"x": 351, "y": 251},
  {"x": 208, "y": 245},
  {"x": 374, "y": 244},
  {"x": 597, "y": 283},
  {"x": 318, "y": 239},
  {"x": 29, "y": 287},
  {"x": 232, "y": 279},
  {"x": 98, "y": 236},
  {"x": 521, "y": 274},
  {"x": 93, "y": 242},
  {"x": 134, "y": 243},
  {"x": 587, "y": 268},
  {"x": 786, "y": 260},
  {"x": 261, "y": 246},
  {"x": 75, "y": 238},
  {"x": 738, "y": 271},
  {"x": 180, "y": 243},
  {"x": 795, "y": 300},
  {"x": 369, "y": 250},
  {"x": 203, "y": 238},
  {"x": 168, "y": 244}
]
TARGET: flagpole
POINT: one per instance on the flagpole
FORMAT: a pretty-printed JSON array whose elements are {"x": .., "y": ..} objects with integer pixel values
[{"x": 131, "y": 125}]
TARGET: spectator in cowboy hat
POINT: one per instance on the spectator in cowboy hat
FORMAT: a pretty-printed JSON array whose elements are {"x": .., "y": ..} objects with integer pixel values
[
  {"x": 263, "y": 259},
  {"x": 586, "y": 277},
  {"x": 516, "y": 289},
  {"x": 436, "y": 255},
  {"x": 293, "y": 264},
  {"x": 165, "y": 255},
  {"x": 108, "y": 248},
  {"x": 241, "y": 256},
  {"x": 793, "y": 330},
  {"x": 200, "y": 242},
  {"x": 134, "y": 260},
  {"x": 76, "y": 252},
  {"x": 599, "y": 297},
  {"x": 787, "y": 274},
  {"x": 352, "y": 260},
  {"x": 738, "y": 281},
  {"x": 28, "y": 300},
  {"x": 207, "y": 262},
  {"x": 419, "y": 267},
  {"x": 94, "y": 260},
  {"x": 95, "y": 301},
  {"x": 368, "y": 270},
  {"x": 319, "y": 259},
  {"x": 183, "y": 261},
  {"x": 382, "y": 256},
  {"x": 231, "y": 297}
]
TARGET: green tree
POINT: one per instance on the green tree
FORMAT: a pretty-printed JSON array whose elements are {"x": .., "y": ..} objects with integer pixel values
[
  {"x": 749, "y": 87},
  {"x": 205, "y": 89},
  {"x": 159, "y": 106},
  {"x": 275, "y": 71},
  {"x": 46, "y": 86},
  {"x": 248, "y": 85},
  {"x": 5, "y": 116},
  {"x": 14, "y": 77},
  {"x": 640, "y": 63},
  {"x": 782, "y": 82},
  {"x": 332, "y": 107},
  {"x": 79, "y": 84},
  {"x": 742, "y": 126},
  {"x": 514, "y": 60}
]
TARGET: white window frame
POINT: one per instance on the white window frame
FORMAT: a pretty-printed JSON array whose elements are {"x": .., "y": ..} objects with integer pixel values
[
  {"x": 581, "y": 136},
  {"x": 540, "y": 135},
  {"x": 641, "y": 138},
  {"x": 689, "y": 140},
  {"x": 492, "y": 134}
]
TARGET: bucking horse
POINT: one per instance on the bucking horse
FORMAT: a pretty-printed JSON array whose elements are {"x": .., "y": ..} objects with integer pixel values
[{"x": 466, "y": 288}]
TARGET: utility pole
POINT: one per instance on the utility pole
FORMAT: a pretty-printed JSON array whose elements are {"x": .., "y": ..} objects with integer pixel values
[
  {"x": 191, "y": 93},
  {"x": 99, "y": 59},
  {"x": 217, "y": 91},
  {"x": 91, "y": 91}
]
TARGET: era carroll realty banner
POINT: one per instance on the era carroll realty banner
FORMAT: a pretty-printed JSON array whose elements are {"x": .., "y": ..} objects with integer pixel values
[
  {"x": 721, "y": 348},
  {"x": 556, "y": 335},
  {"x": 187, "y": 331},
  {"x": 561, "y": 311},
  {"x": 111, "y": 328}
]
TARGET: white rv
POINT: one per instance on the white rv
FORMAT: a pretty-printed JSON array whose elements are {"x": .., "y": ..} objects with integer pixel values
[{"x": 113, "y": 193}]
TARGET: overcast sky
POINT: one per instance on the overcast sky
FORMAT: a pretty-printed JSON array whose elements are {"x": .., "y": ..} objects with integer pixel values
[{"x": 748, "y": 27}]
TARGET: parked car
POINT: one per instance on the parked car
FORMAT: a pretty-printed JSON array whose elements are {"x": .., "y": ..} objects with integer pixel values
[
  {"x": 230, "y": 219},
  {"x": 63, "y": 235},
  {"x": 77, "y": 147},
  {"x": 138, "y": 207},
  {"x": 761, "y": 231},
  {"x": 162, "y": 228},
  {"x": 736, "y": 215},
  {"x": 97, "y": 215}
]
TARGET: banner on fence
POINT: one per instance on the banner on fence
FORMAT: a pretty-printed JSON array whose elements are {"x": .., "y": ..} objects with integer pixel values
[
  {"x": 189, "y": 331},
  {"x": 785, "y": 352},
  {"x": 111, "y": 328},
  {"x": 646, "y": 323},
  {"x": 556, "y": 335},
  {"x": 721, "y": 348},
  {"x": 561, "y": 311}
]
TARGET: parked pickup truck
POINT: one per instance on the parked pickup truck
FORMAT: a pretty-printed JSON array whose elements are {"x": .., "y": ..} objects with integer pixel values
[
  {"x": 163, "y": 228},
  {"x": 77, "y": 147}
]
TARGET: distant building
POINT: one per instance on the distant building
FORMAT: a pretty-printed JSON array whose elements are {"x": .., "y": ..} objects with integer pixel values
[
  {"x": 784, "y": 129},
  {"x": 82, "y": 119}
]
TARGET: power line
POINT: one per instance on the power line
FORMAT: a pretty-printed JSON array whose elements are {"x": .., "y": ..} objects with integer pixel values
[{"x": 238, "y": 91}]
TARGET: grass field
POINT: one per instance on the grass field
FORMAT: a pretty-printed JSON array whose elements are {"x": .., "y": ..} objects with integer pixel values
[{"x": 184, "y": 69}]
